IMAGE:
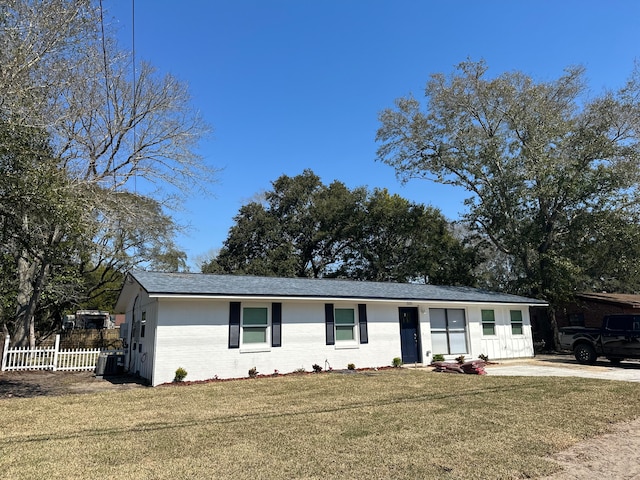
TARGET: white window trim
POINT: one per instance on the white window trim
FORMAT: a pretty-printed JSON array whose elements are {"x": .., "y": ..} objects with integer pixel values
[
  {"x": 494, "y": 322},
  {"x": 347, "y": 344},
  {"x": 521, "y": 322},
  {"x": 448, "y": 331},
  {"x": 255, "y": 347}
]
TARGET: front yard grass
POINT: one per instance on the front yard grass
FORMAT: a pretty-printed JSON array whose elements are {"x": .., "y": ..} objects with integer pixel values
[{"x": 390, "y": 424}]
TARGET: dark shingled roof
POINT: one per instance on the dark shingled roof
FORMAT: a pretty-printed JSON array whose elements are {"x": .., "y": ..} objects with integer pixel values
[
  {"x": 198, "y": 284},
  {"x": 623, "y": 299}
]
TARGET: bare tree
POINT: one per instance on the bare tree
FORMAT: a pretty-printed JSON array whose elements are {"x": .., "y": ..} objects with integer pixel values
[{"x": 122, "y": 135}]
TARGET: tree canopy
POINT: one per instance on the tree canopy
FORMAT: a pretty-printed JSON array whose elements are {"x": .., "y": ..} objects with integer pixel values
[
  {"x": 552, "y": 171},
  {"x": 307, "y": 229},
  {"x": 42, "y": 225},
  {"x": 120, "y": 148}
]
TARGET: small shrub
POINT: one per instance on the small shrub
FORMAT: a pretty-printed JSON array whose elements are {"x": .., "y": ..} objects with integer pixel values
[
  {"x": 181, "y": 373},
  {"x": 438, "y": 357},
  {"x": 460, "y": 359},
  {"x": 300, "y": 370},
  {"x": 316, "y": 368},
  {"x": 276, "y": 372},
  {"x": 397, "y": 362},
  {"x": 253, "y": 372},
  {"x": 483, "y": 357},
  {"x": 351, "y": 366}
]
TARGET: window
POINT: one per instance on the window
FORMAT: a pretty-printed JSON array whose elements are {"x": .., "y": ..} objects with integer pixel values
[
  {"x": 251, "y": 326},
  {"x": 576, "y": 319},
  {"x": 448, "y": 330},
  {"x": 345, "y": 319},
  {"x": 619, "y": 322},
  {"x": 341, "y": 323},
  {"x": 255, "y": 321},
  {"x": 488, "y": 322},
  {"x": 516, "y": 322},
  {"x": 143, "y": 324}
]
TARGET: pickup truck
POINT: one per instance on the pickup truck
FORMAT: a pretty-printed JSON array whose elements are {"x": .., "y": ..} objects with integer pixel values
[{"x": 617, "y": 339}]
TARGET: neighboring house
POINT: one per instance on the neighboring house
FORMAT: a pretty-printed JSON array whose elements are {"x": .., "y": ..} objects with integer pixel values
[
  {"x": 118, "y": 319},
  {"x": 223, "y": 325},
  {"x": 588, "y": 309}
]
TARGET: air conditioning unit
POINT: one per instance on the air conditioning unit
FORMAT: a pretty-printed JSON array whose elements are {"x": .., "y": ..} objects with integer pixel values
[{"x": 109, "y": 363}]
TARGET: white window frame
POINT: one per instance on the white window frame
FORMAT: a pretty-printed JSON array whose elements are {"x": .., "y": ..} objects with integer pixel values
[
  {"x": 255, "y": 346},
  {"x": 351, "y": 342},
  {"x": 448, "y": 331},
  {"x": 517, "y": 322},
  {"x": 488, "y": 322}
]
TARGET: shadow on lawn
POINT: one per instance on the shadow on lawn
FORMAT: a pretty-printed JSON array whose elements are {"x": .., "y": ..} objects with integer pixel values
[
  {"x": 20, "y": 389},
  {"x": 125, "y": 380}
]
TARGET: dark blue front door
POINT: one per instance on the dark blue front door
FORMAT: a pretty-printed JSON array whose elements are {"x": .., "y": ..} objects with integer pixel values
[{"x": 409, "y": 335}]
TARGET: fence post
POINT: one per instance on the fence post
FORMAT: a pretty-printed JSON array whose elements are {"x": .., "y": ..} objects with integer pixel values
[
  {"x": 55, "y": 352},
  {"x": 5, "y": 352}
]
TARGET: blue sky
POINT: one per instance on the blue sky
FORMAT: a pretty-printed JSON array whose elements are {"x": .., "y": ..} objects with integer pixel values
[{"x": 295, "y": 84}]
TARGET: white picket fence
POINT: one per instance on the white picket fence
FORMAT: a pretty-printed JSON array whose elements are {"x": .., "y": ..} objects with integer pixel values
[{"x": 51, "y": 358}]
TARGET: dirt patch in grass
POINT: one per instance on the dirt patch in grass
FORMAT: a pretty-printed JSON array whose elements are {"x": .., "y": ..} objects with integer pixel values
[
  {"x": 612, "y": 455},
  {"x": 46, "y": 383}
]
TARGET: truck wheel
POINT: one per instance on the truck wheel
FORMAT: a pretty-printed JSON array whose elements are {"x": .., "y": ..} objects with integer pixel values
[{"x": 585, "y": 354}]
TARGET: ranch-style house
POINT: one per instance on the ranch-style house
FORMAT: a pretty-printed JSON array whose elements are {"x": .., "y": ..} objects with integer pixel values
[{"x": 221, "y": 326}]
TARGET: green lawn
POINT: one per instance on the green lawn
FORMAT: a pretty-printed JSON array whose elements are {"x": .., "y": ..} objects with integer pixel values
[{"x": 388, "y": 424}]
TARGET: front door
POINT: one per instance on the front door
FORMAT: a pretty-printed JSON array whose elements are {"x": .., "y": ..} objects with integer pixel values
[{"x": 409, "y": 335}]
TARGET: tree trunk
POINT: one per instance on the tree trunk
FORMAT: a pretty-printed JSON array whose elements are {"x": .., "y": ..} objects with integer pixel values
[
  {"x": 554, "y": 327},
  {"x": 31, "y": 277},
  {"x": 23, "y": 320},
  {"x": 5, "y": 332}
]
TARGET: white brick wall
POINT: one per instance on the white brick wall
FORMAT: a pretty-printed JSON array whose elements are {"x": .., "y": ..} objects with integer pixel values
[
  {"x": 193, "y": 334},
  {"x": 139, "y": 351}
]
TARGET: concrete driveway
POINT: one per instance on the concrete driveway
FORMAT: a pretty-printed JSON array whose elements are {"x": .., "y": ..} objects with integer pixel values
[{"x": 566, "y": 366}]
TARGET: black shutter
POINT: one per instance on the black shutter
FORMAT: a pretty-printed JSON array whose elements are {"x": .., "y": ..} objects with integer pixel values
[
  {"x": 362, "y": 322},
  {"x": 234, "y": 325},
  {"x": 329, "y": 321},
  {"x": 276, "y": 324}
]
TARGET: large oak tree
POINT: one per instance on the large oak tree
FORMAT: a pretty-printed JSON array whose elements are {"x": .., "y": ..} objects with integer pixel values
[
  {"x": 304, "y": 228},
  {"x": 552, "y": 171}
]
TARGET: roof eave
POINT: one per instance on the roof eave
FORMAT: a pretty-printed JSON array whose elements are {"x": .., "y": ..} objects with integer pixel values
[{"x": 407, "y": 300}]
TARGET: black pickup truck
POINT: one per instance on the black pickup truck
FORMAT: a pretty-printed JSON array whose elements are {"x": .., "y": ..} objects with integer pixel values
[{"x": 617, "y": 339}]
